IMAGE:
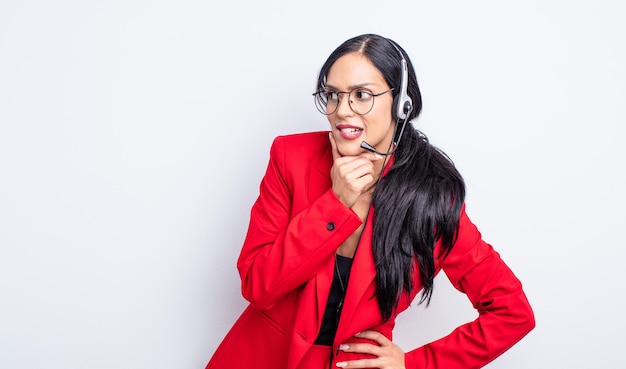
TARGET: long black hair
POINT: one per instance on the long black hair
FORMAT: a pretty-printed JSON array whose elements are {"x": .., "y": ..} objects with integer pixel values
[{"x": 419, "y": 200}]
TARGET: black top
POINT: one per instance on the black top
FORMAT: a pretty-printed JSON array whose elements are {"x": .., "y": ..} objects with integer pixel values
[{"x": 335, "y": 301}]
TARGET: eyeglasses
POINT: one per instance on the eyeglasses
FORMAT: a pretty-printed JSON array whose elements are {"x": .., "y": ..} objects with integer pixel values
[{"x": 360, "y": 100}]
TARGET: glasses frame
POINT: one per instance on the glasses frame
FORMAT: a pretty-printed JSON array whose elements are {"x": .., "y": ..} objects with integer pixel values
[{"x": 322, "y": 108}]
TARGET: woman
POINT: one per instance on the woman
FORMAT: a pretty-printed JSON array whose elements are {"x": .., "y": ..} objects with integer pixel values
[{"x": 350, "y": 225}]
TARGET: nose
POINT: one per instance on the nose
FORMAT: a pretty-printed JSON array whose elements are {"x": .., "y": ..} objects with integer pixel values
[{"x": 344, "y": 108}]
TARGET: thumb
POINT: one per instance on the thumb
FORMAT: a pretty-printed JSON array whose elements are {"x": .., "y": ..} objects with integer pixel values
[{"x": 333, "y": 146}]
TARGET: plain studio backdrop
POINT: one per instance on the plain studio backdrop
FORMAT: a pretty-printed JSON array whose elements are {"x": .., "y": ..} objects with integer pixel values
[{"x": 134, "y": 134}]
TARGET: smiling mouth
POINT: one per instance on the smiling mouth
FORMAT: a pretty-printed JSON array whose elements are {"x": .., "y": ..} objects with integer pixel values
[{"x": 351, "y": 130}]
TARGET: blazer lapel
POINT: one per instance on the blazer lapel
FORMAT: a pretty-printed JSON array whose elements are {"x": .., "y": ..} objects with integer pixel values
[{"x": 362, "y": 276}]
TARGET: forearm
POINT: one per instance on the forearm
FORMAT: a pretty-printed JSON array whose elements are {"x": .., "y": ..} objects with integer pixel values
[
  {"x": 475, "y": 344},
  {"x": 280, "y": 255},
  {"x": 504, "y": 313}
]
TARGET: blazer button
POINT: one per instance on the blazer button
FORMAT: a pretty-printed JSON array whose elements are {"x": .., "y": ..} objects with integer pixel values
[{"x": 330, "y": 226}]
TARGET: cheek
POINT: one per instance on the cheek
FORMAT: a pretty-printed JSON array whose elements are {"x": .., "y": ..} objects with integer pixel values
[
  {"x": 384, "y": 111},
  {"x": 379, "y": 127},
  {"x": 382, "y": 120}
]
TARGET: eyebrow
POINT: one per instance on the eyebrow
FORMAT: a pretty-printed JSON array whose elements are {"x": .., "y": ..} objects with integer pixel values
[{"x": 351, "y": 87}]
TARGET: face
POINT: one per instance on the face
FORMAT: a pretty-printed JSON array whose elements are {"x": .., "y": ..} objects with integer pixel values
[{"x": 349, "y": 128}]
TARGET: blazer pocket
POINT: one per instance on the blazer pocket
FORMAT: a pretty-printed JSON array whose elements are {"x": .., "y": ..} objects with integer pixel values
[
  {"x": 255, "y": 341},
  {"x": 270, "y": 321}
]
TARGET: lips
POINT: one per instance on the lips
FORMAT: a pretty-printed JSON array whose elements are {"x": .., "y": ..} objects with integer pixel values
[{"x": 349, "y": 132}]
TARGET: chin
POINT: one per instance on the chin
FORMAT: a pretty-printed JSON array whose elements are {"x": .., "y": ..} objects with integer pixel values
[{"x": 351, "y": 149}]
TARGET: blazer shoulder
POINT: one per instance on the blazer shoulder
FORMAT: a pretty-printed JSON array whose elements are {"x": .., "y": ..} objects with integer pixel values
[{"x": 302, "y": 144}]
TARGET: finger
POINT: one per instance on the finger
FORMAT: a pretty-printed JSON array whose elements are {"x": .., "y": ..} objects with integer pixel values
[
  {"x": 333, "y": 146},
  {"x": 374, "y": 336},
  {"x": 371, "y": 156},
  {"x": 354, "y": 181},
  {"x": 362, "y": 363},
  {"x": 361, "y": 184},
  {"x": 355, "y": 167},
  {"x": 362, "y": 348}
]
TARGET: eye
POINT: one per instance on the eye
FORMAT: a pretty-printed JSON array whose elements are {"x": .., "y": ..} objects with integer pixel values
[
  {"x": 331, "y": 95},
  {"x": 362, "y": 95}
]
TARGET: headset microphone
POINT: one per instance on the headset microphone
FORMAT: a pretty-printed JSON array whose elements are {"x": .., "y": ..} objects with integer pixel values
[{"x": 371, "y": 148}]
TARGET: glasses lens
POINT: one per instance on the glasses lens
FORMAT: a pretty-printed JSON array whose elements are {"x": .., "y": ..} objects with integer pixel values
[
  {"x": 320, "y": 102},
  {"x": 361, "y": 101},
  {"x": 326, "y": 102}
]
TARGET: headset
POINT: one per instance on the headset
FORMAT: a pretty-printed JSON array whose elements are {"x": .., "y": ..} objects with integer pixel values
[
  {"x": 402, "y": 102},
  {"x": 401, "y": 107}
]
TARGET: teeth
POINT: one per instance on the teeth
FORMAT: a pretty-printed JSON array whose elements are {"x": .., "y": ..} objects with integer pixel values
[{"x": 352, "y": 130}]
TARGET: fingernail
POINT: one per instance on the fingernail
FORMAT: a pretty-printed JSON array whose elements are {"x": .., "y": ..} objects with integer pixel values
[
  {"x": 343, "y": 347},
  {"x": 341, "y": 364},
  {"x": 378, "y": 157}
]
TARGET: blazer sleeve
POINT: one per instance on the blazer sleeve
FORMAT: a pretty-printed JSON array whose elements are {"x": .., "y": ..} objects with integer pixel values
[
  {"x": 283, "y": 250},
  {"x": 504, "y": 313}
]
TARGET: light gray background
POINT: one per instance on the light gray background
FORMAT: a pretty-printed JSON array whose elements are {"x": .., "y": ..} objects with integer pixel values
[{"x": 133, "y": 136}]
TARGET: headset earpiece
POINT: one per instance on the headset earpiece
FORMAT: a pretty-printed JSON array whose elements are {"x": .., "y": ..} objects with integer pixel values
[{"x": 402, "y": 102}]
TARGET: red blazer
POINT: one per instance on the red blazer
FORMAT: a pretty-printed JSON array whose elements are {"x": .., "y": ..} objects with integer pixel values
[{"x": 286, "y": 268}]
